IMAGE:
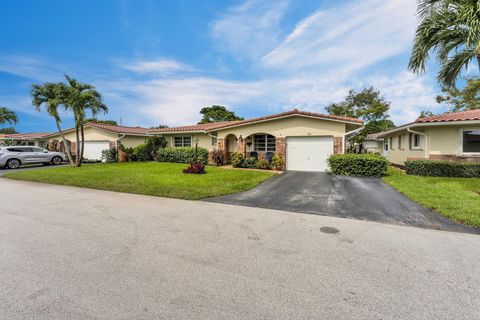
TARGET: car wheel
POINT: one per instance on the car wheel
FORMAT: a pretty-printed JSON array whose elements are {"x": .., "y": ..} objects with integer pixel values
[
  {"x": 13, "y": 164},
  {"x": 57, "y": 160}
]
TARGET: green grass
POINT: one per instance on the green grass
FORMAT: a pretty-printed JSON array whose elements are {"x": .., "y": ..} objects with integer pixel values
[
  {"x": 149, "y": 178},
  {"x": 455, "y": 198}
]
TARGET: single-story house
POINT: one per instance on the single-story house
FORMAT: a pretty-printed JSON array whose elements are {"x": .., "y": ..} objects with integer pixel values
[
  {"x": 99, "y": 137},
  {"x": 305, "y": 139},
  {"x": 451, "y": 136},
  {"x": 372, "y": 144},
  {"x": 25, "y": 139}
]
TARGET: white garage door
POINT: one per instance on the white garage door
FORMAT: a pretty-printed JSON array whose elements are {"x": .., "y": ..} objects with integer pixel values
[
  {"x": 93, "y": 149},
  {"x": 308, "y": 153}
]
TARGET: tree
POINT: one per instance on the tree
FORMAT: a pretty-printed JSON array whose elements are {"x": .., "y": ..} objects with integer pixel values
[
  {"x": 424, "y": 114},
  {"x": 160, "y": 126},
  {"x": 8, "y": 130},
  {"x": 110, "y": 122},
  {"x": 451, "y": 28},
  {"x": 464, "y": 99},
  {"x": 51, "y": 96},
  {"x": 80, "y": 97},
  {"x": 7, "y": 116},
  {"x": 217, "y": 114},
  {"x": 367, "y": 105}
]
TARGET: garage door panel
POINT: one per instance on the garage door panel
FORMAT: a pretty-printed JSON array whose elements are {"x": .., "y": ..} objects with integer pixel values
[
  {"x": 93, "y": 149},
  {"x": 308, "y": 153}
]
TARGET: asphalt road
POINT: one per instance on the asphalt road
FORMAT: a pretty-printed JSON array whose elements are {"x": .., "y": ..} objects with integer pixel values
[
  {"x": 341, "y": 196},
  {"x": 70, "y": 253}
]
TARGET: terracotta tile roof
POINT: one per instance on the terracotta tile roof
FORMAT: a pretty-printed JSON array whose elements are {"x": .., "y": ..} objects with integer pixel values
[
  {"x": 452, "y": 116},
  {"x": 118, "y": 129},
  {"x": 26, "y": 136},
  {"x": 195, "y": 127},
  {"x": 226, "y": 124}
]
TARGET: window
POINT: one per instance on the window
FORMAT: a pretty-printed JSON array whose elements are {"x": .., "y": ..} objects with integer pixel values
[
  {"x": 399, "y": 142},
  {"x": 183, "y": 141},
  {"x": 264, "y": 143},
  {"x": 19, "y": 149},
  {"x": 415, "y": 141},
  {"x": 391, "y": 143},
  {"x": 471, "y": 141},
  {"x": 38, "y": 150},
  {"x": 385, "y": 144},
  {"x": 214, "y": 139}
]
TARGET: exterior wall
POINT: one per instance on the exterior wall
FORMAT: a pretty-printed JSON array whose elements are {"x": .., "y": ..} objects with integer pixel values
[
  {"x": 204, "y": 140},
  {"x": 91, "y": 134},
  {"x": 399, "y": 156},
  {"x": 133, "y": 141},
  {"x": 373, "y": 146},
  {"x": 289, "y": 127}
]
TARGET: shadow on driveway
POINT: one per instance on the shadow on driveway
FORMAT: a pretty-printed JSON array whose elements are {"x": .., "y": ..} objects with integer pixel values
[{"x": 340, "y": 196}]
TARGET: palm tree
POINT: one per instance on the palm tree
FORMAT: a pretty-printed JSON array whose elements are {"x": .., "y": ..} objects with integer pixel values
[
  {"x": 50, "y": 95},
  {"x": 7, "y": 116},
  {"x": 79, "y": 97},
  {"x": 451, "y": 28}
]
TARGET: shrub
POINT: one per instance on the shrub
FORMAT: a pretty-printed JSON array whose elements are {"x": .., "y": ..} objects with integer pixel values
[
  {"x": 358, "y": 164},
  {"x": 110, "y": 155},
  {"x": 154, "y": 144},
  {"x": 278, "y": 162},
  {"x": 182, "y": 155},
  {"x": 249, "y": 162},
  {"x": 195, "y": 167},
  {"x": 142, "y": 153},
  {"x": 217, "y": 157},
  {"x": 263, "y": 164},
  {"x": 442, "y": 168},
  {"x": 130, "y": 153},
  {"x": 236, "y": 159}
]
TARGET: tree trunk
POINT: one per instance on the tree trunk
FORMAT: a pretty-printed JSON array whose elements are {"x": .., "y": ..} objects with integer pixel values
[
  {"x": 78, "y": 160},
  {"x": 65, "y": 144},
  {"x": 82, "y": 146},
  {"x": 478, "y": 61}
]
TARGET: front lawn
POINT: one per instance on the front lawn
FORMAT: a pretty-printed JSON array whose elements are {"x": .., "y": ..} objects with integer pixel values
[
  {"x": 149, "y": 178},
  {"x": 455, "y": 198}
]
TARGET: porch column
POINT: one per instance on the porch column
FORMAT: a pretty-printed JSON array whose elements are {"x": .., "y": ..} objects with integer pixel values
[
  {"x": 221, "y": 145},
  {"x": 337, "y": 145},
  {"x": 241, "y": 145},
  {"x": 280, "y": 146}
]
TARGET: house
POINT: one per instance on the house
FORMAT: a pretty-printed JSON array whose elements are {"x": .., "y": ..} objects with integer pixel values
[
  {"x": 372, "y": 144},
  {"x": 99, "y": 137},
  {"x": 451, "y": 136},
  {"x": 25, "y": 139},
  {"x": 305, "y": 139}
]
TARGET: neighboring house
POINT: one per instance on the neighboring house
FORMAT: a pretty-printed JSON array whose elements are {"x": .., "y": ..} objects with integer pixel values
[
  {"x": 372, "y": 144},
  {"x": 25, "y": 139},
  {"x": 99, "y": 137},
  {"x": 451, "y": 136},
  {"x": 305, "y": 139}
]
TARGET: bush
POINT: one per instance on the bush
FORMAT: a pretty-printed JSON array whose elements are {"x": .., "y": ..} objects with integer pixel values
[
  {"x": 442, "y": 168},
  {"x": 142, "y": 153},
  {"x": 130, "y": 153},
  {"x": 195, "y": 167},
  {"x": 110, "y": 155},
  {"x": 278, "y": 162},
  {"x": 154, "y": 144},
  {"x": 217, "y": 157},
  {"x": 236, "y": 159},
  {"x": 358, "y": 164},
  {"x": 263, "y": 164},
  {"x": 249, "y": 162},
  {"x": 182, "y": 155}
]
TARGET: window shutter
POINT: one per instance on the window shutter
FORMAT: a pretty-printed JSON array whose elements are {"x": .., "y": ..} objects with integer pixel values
[{"x": 410, "y": 136}]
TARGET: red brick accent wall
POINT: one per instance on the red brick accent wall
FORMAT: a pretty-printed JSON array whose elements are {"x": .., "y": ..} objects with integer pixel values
[
  {"x": 337, "y": 145},
  {"x": 280, "y": 146},
  {"x": 241, "y": 146},
  {"x": 221, "y": 144}
]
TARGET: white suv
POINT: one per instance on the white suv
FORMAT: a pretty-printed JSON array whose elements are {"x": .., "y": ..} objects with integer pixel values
[{"x": 12, "y": 157}]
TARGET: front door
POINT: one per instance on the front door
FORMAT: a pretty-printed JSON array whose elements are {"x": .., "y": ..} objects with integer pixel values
[{"x": 386, "y": 147}]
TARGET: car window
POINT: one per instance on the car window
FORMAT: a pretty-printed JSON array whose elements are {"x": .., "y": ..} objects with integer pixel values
[
  {"x": 19, "y": 149},
  {"x": 38, "y": 150}
]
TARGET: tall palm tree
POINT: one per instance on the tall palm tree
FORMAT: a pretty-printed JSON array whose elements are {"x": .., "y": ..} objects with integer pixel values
[
  {"x": 451, "y": 28},
  {"x": 79, "y": 98},
  {"x": 51, "y": 95},
  {"x": 7, "y": 116}
]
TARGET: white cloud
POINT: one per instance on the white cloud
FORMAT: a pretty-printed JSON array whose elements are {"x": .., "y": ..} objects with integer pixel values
[
  {"x": 250, "y": 29},
  {"x": 159, "y": 66},
  {"x": 31, "y": 67},
  {"x": 347, "y": 37}
]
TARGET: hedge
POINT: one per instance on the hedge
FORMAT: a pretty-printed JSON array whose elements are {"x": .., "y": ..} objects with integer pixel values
[
  {"x": 439, "y": 168},
  {"x": 182, "y": 155},
  {"x": 358, "y": 164}
]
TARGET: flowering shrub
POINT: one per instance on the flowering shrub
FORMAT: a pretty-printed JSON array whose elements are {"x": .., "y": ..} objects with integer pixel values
[{"x": 195, "y": 167}]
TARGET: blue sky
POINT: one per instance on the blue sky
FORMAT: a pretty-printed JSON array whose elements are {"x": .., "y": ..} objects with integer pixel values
[{"x": 160, "y": 62}]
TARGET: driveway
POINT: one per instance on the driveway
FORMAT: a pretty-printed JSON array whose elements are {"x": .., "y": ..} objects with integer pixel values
[
  {"x": 341, "y": 196},
  {"x": 4, "y": 171},
  {"x": 71, "y": 253}
]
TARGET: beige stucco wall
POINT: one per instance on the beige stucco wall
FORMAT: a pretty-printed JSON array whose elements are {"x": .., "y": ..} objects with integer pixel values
[
  {"x": 399, "y": 156},
  {"x": 91, "y": 134},
  {"x": 289, "y": 127},
  {"x": 444, "y": 140},
  {"x": 373, "y": 146},
  {"x": 133, "y": 141},
  {"x": 204, "y": 140}
]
